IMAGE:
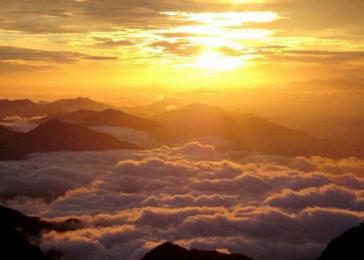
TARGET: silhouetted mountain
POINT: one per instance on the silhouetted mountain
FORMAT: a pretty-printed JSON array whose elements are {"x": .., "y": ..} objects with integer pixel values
[
  {"x": 55, "y": 135},
  {"x": 108, "y": 117},
  {"x": 28, "y": 108},
  {"x": 349, "y": 245},
  {"x": 7, "y": 135},
  {"x": 71, "y": 105},
  {"x": 20, "y": 234},
  {"x": 169, "y": 251},
  {"x": 155, "y": 108},
  {"x": 249, "y": 133},
  {"x": 32, "y": 227},
  {"x": 21, "y": 107},
  {"x": 14, "y": 246}
]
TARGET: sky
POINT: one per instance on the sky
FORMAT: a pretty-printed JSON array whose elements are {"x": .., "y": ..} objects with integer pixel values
[{"x": 103, "y": 48}]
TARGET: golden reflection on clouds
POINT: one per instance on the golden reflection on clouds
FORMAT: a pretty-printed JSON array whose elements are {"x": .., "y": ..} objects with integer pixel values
[
  {"x": 140, "y": 43},
  {"x": 212, "y": 31}
]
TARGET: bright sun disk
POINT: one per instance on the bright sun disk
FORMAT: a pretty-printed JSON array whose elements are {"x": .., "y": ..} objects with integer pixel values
[{"x": 216, "y": 61}]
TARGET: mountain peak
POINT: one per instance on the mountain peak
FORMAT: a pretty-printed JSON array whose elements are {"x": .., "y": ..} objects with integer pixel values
[
  {"x": 168, "y": 250},
  {"x": 55, "y": 136}
]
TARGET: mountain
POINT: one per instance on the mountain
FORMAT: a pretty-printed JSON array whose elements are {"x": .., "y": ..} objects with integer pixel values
[
  {"x": 21, "y": 107},
  {"x": 55, "y": 135},
  {"x": 15, "y": 246},
  {"x": 7, "y": 135},
  {"x": 346, "y": 246},
  {"x": 20, "y": 234},
  {"x": 194, "y": 122},
  {"x": 248, "y": 133},
  {"x": 28, "y": 108},
  {"x": 155, "y": 108},
  {"x": 71, "y": 105},
  {"x": 168, "y": 251},
  {"x": 107, "y": 117},
  {"x": 32, "y": 227}
]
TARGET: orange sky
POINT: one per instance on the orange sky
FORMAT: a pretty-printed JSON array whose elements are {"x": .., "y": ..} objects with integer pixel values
[{"x": 106, "y": 48}]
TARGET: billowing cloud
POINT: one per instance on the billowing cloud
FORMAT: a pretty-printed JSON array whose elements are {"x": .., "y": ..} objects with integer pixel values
[{"x": 266, "y": 207}]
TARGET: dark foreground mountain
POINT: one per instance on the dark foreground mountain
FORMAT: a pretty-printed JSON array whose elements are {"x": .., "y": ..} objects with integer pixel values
[
  {"x": 54, "y": 135},
  {"x": 20, "y": 234},
  {"x": 109, "y": 117},
  {"x": 169, "y": 251},
  {"x": 349, "y": 245},
  {"x": 28, "y": 108},
  {"x": 248, "y": 133},
  {"x": 7, "y": 135},
  {"x": 15, "y": 246}
]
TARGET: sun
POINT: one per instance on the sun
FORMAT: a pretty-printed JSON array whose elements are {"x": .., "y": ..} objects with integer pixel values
[{"x": 217, "y": 61}]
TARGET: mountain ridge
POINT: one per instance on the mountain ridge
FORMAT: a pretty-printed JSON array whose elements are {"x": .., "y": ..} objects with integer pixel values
[
  {"x": 111, "y": 117},
  {"x": 168, "y": 251},
  {"x": 248, "y": 133},
  {"x": 54, "y": 136},
  {"x": 28, "y": 108}
]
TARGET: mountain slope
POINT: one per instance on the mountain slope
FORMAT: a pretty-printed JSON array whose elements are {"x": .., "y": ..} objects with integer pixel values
[
  {"x": 7, "y": 135},
  {"x": 168, "y": 251},
  {"x": 55, "y": 135},
  {"x": 108, "y": 117},
  {"x": 28, "y": 108},
  {"x": 71, "y": 105},
  {"x": 196, "y": 121},
  {"x": 20, "y": 234},
  {"x": 21, "y": 107},
  {"x": 154, "y": 108},
  {"x": 248, "y": 133},
  {"x": 347, "y": 246}
]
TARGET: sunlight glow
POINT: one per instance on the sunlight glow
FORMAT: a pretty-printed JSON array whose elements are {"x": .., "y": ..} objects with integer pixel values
[
  {"x": 226, "y": 18},
  {"x": 216, "y": 61}
]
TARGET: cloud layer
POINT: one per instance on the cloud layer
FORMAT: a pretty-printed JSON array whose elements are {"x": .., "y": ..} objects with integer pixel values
[{"x": 264, "y": 207}]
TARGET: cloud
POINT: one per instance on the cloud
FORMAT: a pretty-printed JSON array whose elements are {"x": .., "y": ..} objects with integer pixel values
[
  {"x": 150, "y": 31},
  {"x": 20, "y": 124},
  {"x": 316, "y": 56},
  {"x": 10, "y": 67},
  {"x": 268, "y": 207},
  {"x": 179, "y": 48},
  {"x": 12, "y": 54},
  {"x": 111, "y": 43},
  {"x": 326, "y": 196}
]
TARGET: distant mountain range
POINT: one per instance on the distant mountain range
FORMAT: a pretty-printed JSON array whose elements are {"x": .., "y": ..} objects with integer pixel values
[
  {"x": 169, "y": 251},
  {"x": 55, "y": 135},
  {"x": 248, "y": 133},
  {"x": 245, "y": 133},
  {"x": 154, "y": 108},
  {"x": 109, "y": 117},
  {"x": 28, "y": 108}
]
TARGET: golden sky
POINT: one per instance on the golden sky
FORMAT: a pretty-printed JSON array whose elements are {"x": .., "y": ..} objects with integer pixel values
[{"x": 98, "y": 47}]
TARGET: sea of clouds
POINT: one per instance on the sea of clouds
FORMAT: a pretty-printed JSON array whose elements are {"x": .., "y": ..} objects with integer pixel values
[{"x": 267, "y": 207}]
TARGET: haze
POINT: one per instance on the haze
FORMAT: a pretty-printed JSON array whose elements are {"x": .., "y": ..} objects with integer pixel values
[{"x": 232, "y": 126}]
